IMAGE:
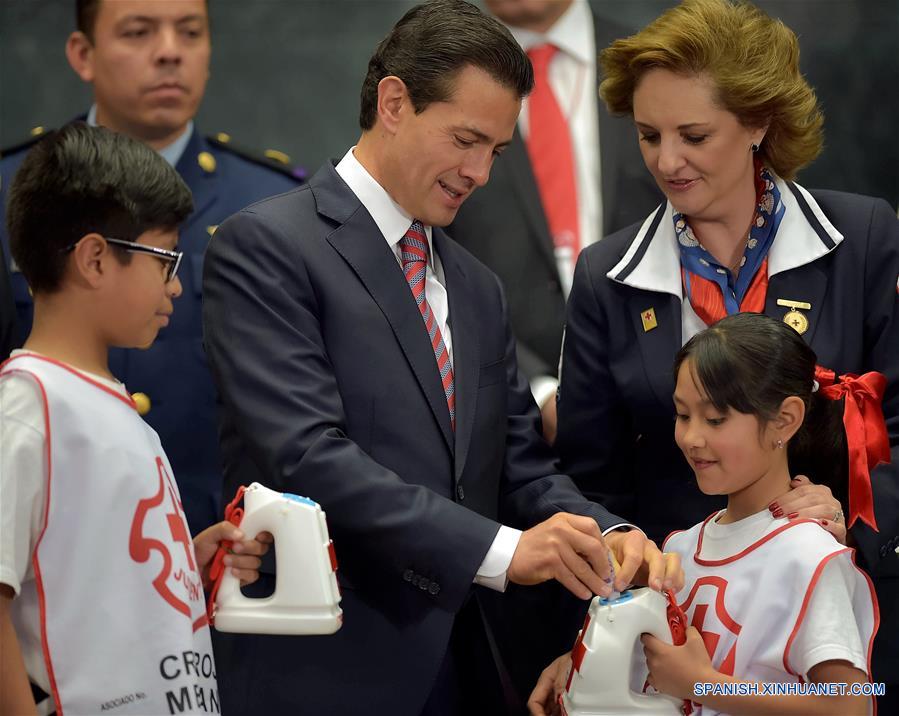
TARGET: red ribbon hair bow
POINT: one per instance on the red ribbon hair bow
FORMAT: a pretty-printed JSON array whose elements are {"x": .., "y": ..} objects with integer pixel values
[{"x": 866, "y": 433}]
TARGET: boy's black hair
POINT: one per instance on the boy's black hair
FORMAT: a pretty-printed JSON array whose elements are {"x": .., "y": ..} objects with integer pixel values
[
  {"x": 431, "y": 43},
  {"x": 751, "y": 362},
  {"x": 80, "y": 180}
]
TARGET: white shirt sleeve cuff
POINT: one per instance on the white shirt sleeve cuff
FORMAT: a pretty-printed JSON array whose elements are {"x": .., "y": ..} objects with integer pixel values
[
  {"x": 543, "y": 387},
  {"x": 626, "y": 526},
  {"x": 493, "y": 570}
]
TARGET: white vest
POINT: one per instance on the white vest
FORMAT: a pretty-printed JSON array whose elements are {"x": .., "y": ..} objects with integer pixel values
[
  {"x": 122, "y": 609},
  {"x": 749, "y": 606}
]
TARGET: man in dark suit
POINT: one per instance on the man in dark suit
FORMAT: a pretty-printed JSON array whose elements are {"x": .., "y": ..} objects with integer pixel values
[
  {"x": 507, "y": 225},
  {"x": 148, "y": 62},
  {"x": 365, "y": 360}
]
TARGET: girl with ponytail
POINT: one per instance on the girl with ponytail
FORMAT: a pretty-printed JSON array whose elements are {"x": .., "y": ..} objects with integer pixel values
[{"x": 771, "y": 600}]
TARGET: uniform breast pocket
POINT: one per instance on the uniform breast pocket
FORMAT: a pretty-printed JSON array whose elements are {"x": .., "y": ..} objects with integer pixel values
[{"x": 492, "y": 373}]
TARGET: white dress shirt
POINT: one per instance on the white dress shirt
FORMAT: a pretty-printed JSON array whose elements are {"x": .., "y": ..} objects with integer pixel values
[{"x": 393, "y": 223}]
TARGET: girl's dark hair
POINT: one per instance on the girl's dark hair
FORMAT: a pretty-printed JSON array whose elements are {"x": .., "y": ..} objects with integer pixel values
[{"x": 752, "y": 363}]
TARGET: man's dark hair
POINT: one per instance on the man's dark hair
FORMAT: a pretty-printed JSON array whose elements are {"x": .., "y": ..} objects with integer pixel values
[
  {"x": 429, "y": 46},
  {"x": 86, "y": 16},
  {"x": 84, "y": 179}
]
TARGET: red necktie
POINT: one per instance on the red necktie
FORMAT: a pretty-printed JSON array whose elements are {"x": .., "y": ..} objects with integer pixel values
[
  {"x": 552, "y": 156},
  {"x": 414, "y": 255}
]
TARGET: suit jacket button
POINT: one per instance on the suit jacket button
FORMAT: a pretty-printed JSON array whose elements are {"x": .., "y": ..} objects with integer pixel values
[
  {"x": 142, "y": 402},
  {"x": 424, "y": 584},
  {"x": 883, "y": 551},
  {"x": 460, "y": 493},
  {"x": 407, "y": 575},
  {"x": 434, "y": 588}
]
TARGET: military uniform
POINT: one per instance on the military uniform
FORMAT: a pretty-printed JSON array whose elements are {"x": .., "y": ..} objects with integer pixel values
[{"x": 170, "y": 381}]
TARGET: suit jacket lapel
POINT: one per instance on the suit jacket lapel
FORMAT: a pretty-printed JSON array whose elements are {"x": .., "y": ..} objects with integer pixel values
[
  {"x": 517, "y": 164},
  {"x": 658, "y": 345},
  {"x": 359, "y": 241},
  {"x": 466, "y": 349}
]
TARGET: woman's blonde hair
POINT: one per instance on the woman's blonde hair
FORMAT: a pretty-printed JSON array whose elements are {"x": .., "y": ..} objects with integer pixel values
[{"x": 752, "y": 59}]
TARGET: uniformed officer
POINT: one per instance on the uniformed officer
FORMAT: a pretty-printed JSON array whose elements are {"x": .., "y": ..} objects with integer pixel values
[{"x": 148, "y": 62}]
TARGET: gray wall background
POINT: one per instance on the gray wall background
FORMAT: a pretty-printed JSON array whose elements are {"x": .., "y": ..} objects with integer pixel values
[{"x": 286, "y": 74}]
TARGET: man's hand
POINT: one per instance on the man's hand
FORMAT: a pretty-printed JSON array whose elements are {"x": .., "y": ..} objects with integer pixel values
[
  {"x": 550, "y": 419},
  {"x": 244, "y": 558},
  {"x": 568, "y": 548},
  {"x": 808, "y": 500},
  {"x": 674, "y": 670},
  {"x": 544, "y": 700},
  {"x": 642, "y": 562}
]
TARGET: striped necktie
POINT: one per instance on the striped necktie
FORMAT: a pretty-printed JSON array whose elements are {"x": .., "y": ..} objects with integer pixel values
[{"x": 414, "y": 255}]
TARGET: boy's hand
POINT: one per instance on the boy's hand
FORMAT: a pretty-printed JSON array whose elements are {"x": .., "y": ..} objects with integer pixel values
[
  {"x": 674, "y": 670},
  {"x": 244, "y": 558}
]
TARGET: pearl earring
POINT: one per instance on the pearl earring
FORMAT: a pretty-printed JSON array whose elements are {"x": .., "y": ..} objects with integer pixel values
[{"x": 780, "y": 444}]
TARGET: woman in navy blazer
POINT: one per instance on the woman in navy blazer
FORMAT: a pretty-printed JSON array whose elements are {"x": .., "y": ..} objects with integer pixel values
[{"x": 725, "y": 121}]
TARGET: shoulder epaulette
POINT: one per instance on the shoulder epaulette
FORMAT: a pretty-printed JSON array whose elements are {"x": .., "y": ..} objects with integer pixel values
[
  {"x": 36, "y": 135},
  {"x": 271, "y": 158}
]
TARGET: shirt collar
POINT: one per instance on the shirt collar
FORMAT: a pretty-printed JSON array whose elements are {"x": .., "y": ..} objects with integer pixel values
[
  {"x": 572, "y": 33},
  {"x": 172, "y": 152},
  {"x": 658, "y": 269},
  {"x": 389, "y": 216}
]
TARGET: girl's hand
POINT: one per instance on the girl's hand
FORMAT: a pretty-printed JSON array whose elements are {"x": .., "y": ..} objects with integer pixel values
[
  {"x": 808, "y": 500},
  {"x": 544, "y": 700},
  {"x": 674, "y": 670},
  {"x": 244, "y": 557}
]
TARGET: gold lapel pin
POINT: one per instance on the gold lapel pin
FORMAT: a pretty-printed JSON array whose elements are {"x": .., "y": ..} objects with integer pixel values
[
  {"x": 793, "y": 318},
  {"x": 649, "y": 319}
]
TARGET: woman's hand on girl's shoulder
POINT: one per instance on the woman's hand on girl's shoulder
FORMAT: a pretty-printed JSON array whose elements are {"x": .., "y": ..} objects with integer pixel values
[{"x": 806, "y": 500}]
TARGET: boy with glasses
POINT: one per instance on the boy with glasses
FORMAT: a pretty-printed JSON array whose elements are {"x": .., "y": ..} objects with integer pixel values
[{"x": 109, "y": 610}]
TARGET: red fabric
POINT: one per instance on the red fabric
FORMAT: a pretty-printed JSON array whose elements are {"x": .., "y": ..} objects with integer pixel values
[
  {"x": 706, "y": 299},
  {"x": 677, "y": 622},
  {"x": 552, "y": 156},
  {"x": 234, "y": 515},
  {"x": 867, "y": 439}
]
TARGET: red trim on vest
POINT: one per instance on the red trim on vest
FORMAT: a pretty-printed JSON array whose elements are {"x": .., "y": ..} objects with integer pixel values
[
  {"x": 807, "y": 598},
  {"x": 129, "y": 401},
  {"x": 38, "y": 579},
  {"x": 671, "y": 534},
  {"x": 755, "y": 545}
]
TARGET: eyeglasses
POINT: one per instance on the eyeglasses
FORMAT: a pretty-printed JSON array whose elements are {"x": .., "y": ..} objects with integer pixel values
[{"x": 172, "y": 258}]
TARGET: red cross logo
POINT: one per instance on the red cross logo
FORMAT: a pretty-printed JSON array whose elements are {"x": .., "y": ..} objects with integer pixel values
[
  {"x": 713, "y": 622},
  {"x": 141, "y": 544}
]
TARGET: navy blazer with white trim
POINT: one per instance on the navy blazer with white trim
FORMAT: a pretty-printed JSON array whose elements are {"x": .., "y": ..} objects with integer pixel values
[{"x": 837, "y": 251}]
